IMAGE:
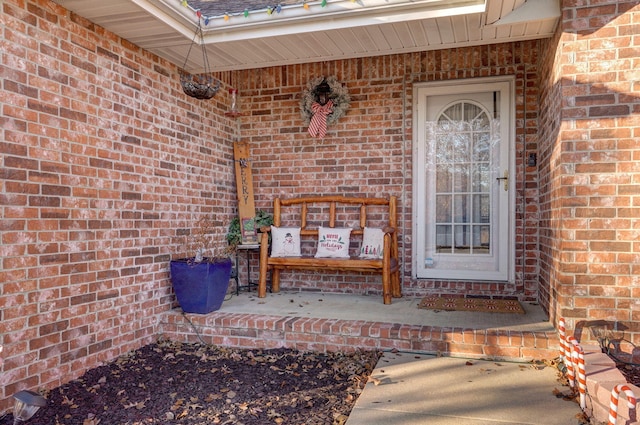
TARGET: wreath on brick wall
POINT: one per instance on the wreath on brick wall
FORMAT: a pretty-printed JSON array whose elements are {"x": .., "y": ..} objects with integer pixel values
[{"x": 339, "y": 96}]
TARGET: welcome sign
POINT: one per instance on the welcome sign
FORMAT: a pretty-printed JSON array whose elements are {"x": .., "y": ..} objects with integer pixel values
[{"x": 244, "y": 186}]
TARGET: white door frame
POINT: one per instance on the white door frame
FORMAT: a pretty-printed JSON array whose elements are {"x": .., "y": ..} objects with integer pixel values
[{"x": 506, "y": 85}]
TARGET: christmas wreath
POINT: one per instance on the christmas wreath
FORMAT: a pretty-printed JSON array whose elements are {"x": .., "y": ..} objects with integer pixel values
[{"x": 339, "y": 96}]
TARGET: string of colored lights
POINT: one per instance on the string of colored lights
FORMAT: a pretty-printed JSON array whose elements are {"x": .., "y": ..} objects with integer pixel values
[{"x": 269, "y": 10}]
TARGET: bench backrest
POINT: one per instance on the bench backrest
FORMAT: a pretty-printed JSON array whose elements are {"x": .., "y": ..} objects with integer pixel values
[{"x": 310, "y": 212}]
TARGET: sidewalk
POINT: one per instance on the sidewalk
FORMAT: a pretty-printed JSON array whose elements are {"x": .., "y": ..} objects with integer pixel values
[{"x": 422, "y": 389}]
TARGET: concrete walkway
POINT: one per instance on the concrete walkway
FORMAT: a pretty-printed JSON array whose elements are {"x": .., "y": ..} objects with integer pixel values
[{"x": 422, "y": 389}]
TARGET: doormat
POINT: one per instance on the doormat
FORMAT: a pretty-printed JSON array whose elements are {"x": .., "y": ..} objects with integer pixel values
[{"x": 480, "y": 305}]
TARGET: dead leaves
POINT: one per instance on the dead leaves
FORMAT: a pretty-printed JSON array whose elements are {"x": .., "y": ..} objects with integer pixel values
[
  {"x": 170, "y": 382},
  {"x": 340, "y": 419},
  {"x": 140, "y": 405},
  {"x": 375, "y": 381},
  {"x": 91, "y": 420},
  {"x": 569, "y": 396}
]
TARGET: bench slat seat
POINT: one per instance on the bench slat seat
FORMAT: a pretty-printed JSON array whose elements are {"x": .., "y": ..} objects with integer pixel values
[
  {"x": 388, "y": 266},
  {"x": 352, "y": 263}
]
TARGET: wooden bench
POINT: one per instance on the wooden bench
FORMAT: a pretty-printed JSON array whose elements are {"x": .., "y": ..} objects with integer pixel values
[{"x": 311, "y": 212}]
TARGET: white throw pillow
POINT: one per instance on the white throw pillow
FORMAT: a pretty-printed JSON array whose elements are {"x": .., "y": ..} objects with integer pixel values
[
  {"x": 333, "y": 242},
  {"x": 285, "y": 241},
  {"x": 372, "y": 243}
]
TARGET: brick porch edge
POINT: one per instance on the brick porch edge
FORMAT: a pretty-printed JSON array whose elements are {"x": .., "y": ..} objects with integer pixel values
[
  {"x": 602, "y": 375},
  {"x": 313, "y": 334}
]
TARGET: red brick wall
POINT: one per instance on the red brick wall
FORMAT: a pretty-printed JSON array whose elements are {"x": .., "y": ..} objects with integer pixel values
[
  {"x": 590, "y": 178},
  {"x": 549, "y": 166},
  {"x": 106, "y": 164},
  {"x": 369, "y": 151}
]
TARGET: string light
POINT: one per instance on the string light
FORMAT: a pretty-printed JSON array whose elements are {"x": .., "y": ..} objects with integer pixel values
[{"x": 278, "y": 8}]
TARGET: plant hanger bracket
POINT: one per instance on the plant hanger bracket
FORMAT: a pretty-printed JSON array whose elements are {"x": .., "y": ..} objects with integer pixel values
[{"x": 202, "y": 86}]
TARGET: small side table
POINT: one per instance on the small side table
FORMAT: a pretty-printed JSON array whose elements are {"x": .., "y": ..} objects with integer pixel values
[{"x": 247, "y": 248}]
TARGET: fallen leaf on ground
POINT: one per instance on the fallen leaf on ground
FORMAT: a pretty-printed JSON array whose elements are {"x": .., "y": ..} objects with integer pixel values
[
  {"x": 195, "y": 383},
  {"x": 375, "y": 381}
]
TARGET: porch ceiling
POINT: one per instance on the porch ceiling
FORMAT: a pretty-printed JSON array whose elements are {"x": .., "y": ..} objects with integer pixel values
[{"x": 288, "y": 32}]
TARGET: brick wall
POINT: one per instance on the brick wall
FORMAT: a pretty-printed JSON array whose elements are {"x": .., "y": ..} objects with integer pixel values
[
  {"x": 590, "y": 179},
  {"x": 106, "y": 165},
  {"x": 549, "y": 174},
  {"x": 369, "y": 151}
]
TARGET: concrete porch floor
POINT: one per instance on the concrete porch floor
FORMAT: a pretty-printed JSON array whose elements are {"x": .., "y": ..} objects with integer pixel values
[
  {"x": 321, "y": 321},
  {"x": 370, "y": 308}
]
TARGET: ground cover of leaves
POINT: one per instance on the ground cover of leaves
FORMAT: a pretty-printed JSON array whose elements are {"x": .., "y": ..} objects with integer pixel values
[
  {"x": 631, "y": 372},
  {"x": 194, "y": 384}
]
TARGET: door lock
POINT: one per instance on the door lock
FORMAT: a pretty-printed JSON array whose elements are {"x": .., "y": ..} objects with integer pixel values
[{"x": 505, "y": 180}]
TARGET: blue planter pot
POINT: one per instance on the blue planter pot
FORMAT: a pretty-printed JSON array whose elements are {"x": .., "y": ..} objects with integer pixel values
[{"x": 200, "y": 287}]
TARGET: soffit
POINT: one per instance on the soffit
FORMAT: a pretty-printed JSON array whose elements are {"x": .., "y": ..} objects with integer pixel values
[{"x": 259, "y": 33}]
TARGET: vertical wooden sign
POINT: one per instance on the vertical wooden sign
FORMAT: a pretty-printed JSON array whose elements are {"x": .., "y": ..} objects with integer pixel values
[{"x": 244, "y": 186}]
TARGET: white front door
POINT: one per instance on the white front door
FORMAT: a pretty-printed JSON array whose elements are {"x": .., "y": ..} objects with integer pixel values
[{"x": 463, "y": 196}]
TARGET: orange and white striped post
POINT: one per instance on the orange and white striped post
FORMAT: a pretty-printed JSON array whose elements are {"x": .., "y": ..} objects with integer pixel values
[
  {"x": 562, "y": 332},
  {"x": 577, "y": 360},
  {"x": 615, "y": 395}
]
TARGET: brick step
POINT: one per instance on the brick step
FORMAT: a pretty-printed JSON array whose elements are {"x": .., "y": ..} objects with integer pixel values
[{"x": 324, "y": 334}]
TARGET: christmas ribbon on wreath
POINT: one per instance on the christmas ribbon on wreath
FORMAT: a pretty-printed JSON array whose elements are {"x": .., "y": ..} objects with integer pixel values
[
  {"x": 318, "y": 116},
  {"x": 318, "y": 124}
]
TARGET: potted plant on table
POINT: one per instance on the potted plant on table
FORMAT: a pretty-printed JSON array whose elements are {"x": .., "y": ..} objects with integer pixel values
[
  {"x": 234, "y": 234},
  {"x": 201, "y": 280}
]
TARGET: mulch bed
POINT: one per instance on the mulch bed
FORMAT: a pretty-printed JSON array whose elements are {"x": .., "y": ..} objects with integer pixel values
[
  {"x": 196, "y": 384},
  {"x": 631, "y": 372}
]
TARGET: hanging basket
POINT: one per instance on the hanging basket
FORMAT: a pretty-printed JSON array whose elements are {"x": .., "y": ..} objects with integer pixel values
[
  {"x": 198, "y": 86},
  {"x": 201, "y": 86}
]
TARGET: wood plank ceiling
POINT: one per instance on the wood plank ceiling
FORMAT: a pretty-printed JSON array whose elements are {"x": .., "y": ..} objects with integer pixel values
[{"x": 292, "y": 32}]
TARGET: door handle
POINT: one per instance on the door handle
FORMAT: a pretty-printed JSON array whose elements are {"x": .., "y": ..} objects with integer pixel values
[{"x": 505, "y": 180}]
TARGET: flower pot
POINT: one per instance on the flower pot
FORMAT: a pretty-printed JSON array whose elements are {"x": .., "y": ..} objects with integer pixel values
[{"x": 200, "y": 287}]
